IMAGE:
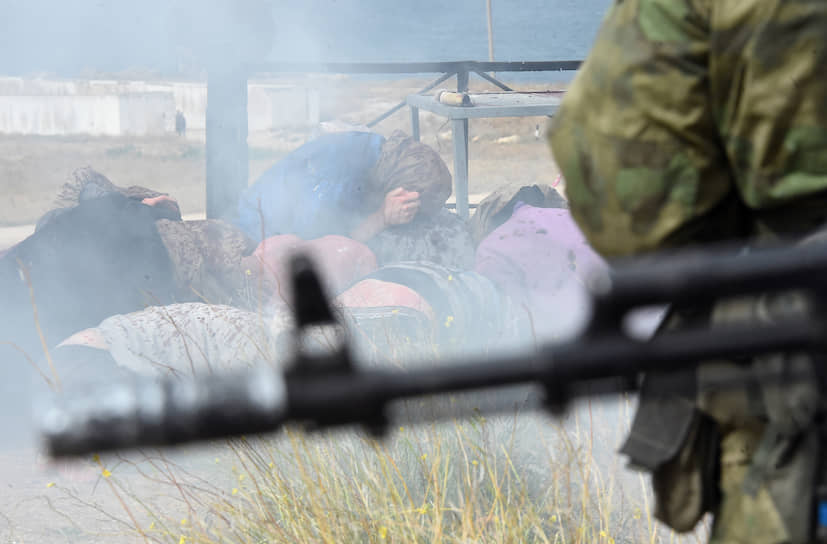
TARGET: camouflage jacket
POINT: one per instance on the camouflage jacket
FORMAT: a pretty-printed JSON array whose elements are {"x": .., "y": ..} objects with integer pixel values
[{"x": 686, "y": 106}]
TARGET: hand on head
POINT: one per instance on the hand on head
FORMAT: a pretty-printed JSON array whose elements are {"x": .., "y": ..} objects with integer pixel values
[
  {"x": 400, "y": 206},
  {"x": 152, "y": 201},
  {"x": 163, "y": 201}
]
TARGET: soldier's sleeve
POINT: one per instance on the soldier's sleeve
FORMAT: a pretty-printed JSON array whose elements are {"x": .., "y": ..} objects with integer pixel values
[
  {"x": 769, "y": 81},
  {"x": 635, "y": 137}
]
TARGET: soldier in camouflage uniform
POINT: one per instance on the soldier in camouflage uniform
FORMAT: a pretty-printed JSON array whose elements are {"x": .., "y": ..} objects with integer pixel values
[{"x": 694, "y": 121}]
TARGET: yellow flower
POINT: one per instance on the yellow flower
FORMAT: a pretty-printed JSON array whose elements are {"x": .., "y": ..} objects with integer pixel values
[
  {"x": 151, "y": 525},
  {"x": 383, "y": 532},
  {"x": 241, "y": 477},
  {"x": 235, "y": 491},
  {"x": 271, "y": 464},
  {"x": 553, "y": 519},
  {"x": 475, "y": 462},
  {"x": 424, "y": 456},
  {"x": 106, "y": 473},
  {"x": 637, "y": 513},
  {"x": 50, "y": 484},
  {"x": 603, "y": 534},
  {"x": 450, "y": 277},
  {"x": 449, "y": 320},
  {"x": 182, "y": 540},
  {"x": 401, "y": 429},
  {"x": 184, "y": 521},
  {"x": 248, "y": 272}
]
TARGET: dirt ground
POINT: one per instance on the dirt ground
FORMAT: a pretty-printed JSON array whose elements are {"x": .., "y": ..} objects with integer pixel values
[
  {"x": 82, "y": 501},
  {"x": 32, "y": 169}
]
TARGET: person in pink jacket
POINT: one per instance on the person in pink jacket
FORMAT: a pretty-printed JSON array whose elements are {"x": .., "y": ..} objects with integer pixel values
[{"x": 540, "y": 258}]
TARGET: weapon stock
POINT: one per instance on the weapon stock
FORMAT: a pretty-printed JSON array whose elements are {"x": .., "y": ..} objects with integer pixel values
[{"x": 322, "y": 390}]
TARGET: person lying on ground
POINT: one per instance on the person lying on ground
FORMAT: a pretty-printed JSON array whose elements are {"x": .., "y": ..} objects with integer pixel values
[
  {"x": 459, "y": 310},
  {"x": 108, "y": 250},
  {"x": 180, "y": 340},
  {"x": 84, "y": 262},
  {"x": 496, "y": 208},
  {"x": 388, "y": 193},
  {"x": 534, "y": 251},
  {"x": 456, "y": 303},
  {"x": 98, "y": 257},
  {"x": 341, "y": 262}
]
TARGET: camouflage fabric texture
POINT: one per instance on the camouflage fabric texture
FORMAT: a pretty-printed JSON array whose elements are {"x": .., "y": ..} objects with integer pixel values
[
  {"x": 701, "y": 120},
  {"x": 764, "y": 495},
  {"x": 686, "y": 104}
]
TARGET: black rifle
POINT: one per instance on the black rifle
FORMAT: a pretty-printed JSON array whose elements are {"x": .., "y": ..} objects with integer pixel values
[{"x": 325, "y": 389}]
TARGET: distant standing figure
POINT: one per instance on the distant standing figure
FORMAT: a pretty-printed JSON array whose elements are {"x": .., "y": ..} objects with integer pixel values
[{"x": 180, "y": 123}]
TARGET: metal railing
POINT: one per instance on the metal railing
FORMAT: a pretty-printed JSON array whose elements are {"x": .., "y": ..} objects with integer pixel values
[{"x": 461, "y": 69}]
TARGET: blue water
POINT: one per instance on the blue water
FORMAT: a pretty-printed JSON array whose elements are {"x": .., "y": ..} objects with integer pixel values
[
  {"x": 93, "y": 36},
  {"x": 432, "y": 30}
]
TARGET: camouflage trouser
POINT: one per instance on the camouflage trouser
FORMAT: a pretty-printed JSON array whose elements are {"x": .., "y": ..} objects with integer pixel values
[
  {"x": 772, "y": 504},
  {"x": 766, "y": 446},
  {"x": 683, "y": 105}
]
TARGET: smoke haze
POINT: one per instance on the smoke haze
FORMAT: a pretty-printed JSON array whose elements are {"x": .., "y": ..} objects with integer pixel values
[{"x": 185, "y": 39}]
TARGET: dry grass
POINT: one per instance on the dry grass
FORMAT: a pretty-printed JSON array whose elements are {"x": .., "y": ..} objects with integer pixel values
[{"x": 516, "y": 478}]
